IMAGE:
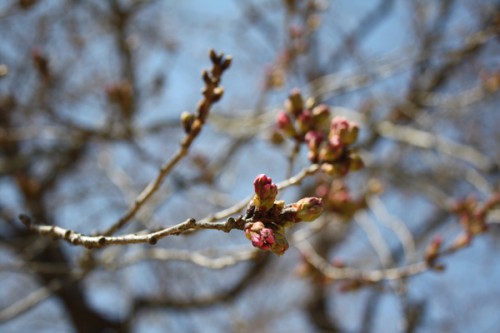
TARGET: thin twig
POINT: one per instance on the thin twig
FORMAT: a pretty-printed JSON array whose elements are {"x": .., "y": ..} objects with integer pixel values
[
  {"x": 211, "y": 94},
  {"x": 349, "y": 273}
]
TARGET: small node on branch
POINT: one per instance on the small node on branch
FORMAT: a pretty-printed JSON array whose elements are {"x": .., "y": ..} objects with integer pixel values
[
  {"x": 102, "y": 241},
  {"x": 152, "y": 240},
  {"x": 25, "y": 219},
  {"x": 217, "y": 94},
  {"x": 187, "y": 121}
]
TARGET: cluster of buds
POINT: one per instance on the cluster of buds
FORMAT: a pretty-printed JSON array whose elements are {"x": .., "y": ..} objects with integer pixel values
[
  {"x": 268, "y": 218},
  {"x": 329, "y": 141},
  {"x": 337, "y": 198},
  {"x": 472, "y": 216}
]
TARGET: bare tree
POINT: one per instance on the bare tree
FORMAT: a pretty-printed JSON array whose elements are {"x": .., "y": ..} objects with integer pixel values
[{"x": 130, "y": 201}]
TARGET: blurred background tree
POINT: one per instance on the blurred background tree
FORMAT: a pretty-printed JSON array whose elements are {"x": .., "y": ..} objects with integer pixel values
[{"x": 91, "y": 96}]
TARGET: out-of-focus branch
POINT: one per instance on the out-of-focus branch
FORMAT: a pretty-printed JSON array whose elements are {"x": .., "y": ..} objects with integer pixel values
[
  {"x": 33, "y": 299},
  {"x": 251, "y": 275},
  {"x": 376, "y": 239},
  {"x": 197, "y": 258},
  {"x": 348, "y": 273},
  {"x": 426, "y": 140},
  {"x": 396, "y": 225}
]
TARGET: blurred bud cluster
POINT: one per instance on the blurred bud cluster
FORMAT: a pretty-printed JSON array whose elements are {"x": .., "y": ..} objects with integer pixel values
[{"x": 329, "y": 141}]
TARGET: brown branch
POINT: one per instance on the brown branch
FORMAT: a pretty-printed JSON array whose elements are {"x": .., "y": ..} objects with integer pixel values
[
  {"x": 211, "y": 94},
  {"x": 152, "y": 238}
]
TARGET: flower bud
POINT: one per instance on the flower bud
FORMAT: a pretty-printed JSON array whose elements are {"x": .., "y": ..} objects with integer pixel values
[
  {"x": 346, "y": 130},
  {"x": 321, "y": 114},
  {"x": 335, "y": 170},
  {"x": 314, "y": 139},
  {"x": 217, "y": 94},
  {"x": 305, "y": 121},
  {"x": 265, "y": 192},
  {"x": 285, "y": 124},
  {"x": 280, "y": 244},
  {"x": 355, "y": 162},
  {"x": 259, "y": 235},
  {"x": 432, "y": 251},
  {"x": 294, "y": 104},
  {"x": 330, "y": 153},
  {"x": 187, "y": 121},
  {"x": 308, "y": 209},
  {"x": 276, "y": 137}
]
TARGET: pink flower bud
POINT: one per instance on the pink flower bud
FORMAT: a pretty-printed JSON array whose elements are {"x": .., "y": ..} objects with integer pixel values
[
  {"x": 314, "y": 139},
  {"x": 308, "y": 209},
  {"x": 346, "y": 130},
  {"x": 330, "y": 153},
  {"x": 305, "y": 121},
  {"x": 259, "y": 235},
  {"x": 285, "y": 124},
  {"x": 265, "y": 192}
]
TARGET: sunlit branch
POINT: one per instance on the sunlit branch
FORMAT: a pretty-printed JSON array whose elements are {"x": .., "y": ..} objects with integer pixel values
[
  {"x": 152, "y": 238},
  {"x": 211, "y": 94}
]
